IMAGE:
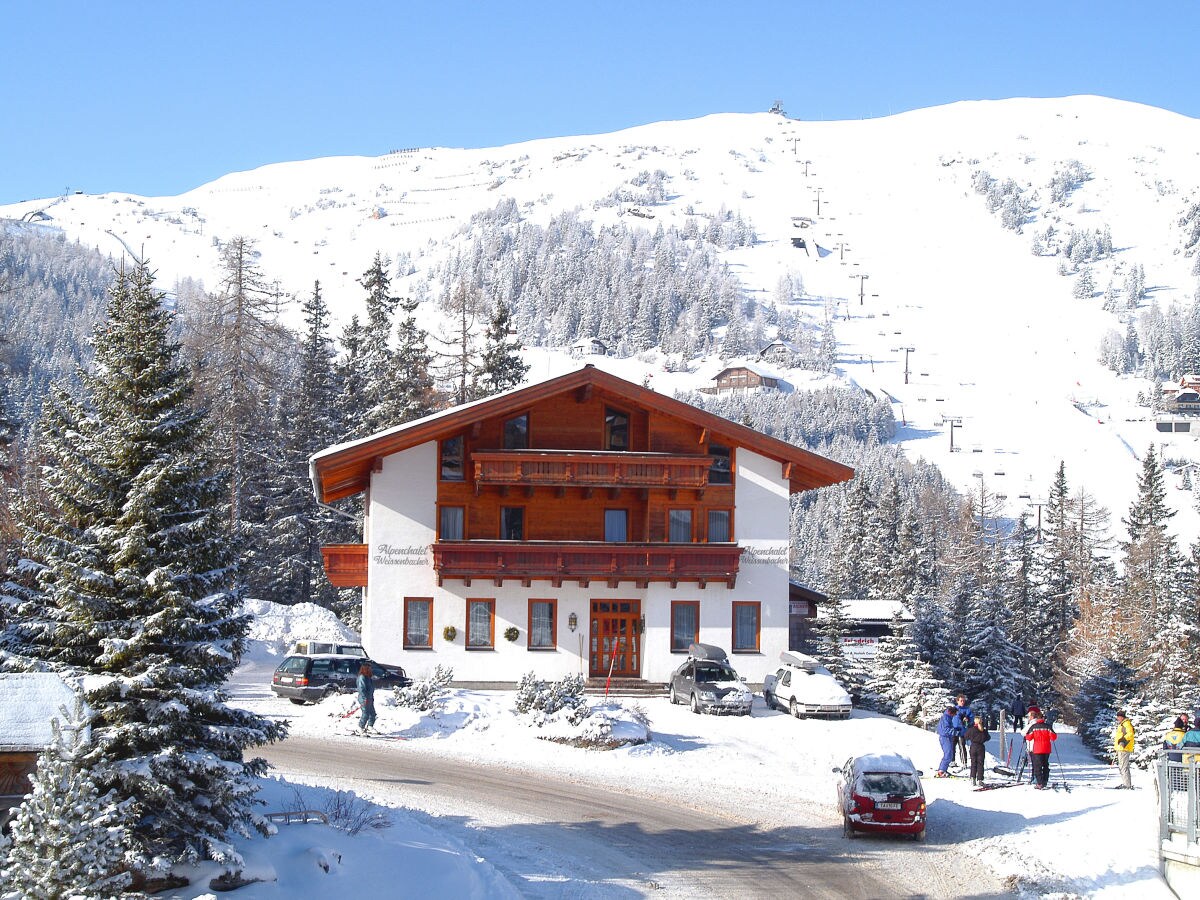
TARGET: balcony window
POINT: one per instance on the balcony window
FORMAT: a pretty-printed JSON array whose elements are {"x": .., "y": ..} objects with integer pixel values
[
  {"x": 542, "y": 615},
  {"x": 516, "y": 433},
  {"x": 718, "y": 526},
  {"x": 720, "y": 471},
  {"x": 512, "y": 523},
  {"x": 685, "y": 624},
  {"x": 452, "y": 459},
  {"x": 418, "y": 617},
  {"x": 481, "y": 624},
  {"x": 616, "y": 525},
  {"x": 679, "y": 526},
  {"x": 450, "y": 523},
  {"x": 616, "y": 429},
  {"x": 746, "y": 617}
]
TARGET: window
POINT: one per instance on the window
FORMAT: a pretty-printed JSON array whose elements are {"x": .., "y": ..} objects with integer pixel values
[
  {"x": 452, "y": 459},
  {"x": 481, "y": 624},
  {"x": 679, "y": 526},
  {"x": 418, "y": 623},
  {"x": 745, "y": 626},
  {"x": 543, "y": 616},
  {"x": 616, "y": 429},
  {"x": 512, "y": 523},
  {"x": 718, "y": 526},
  {"x": 685, "y": 624},
  {"x": 616, "y": 525},
  {"x": 720, "y": 470},
  {"x": 516, "y": 433},
  {"x": 450, "y": 523}
]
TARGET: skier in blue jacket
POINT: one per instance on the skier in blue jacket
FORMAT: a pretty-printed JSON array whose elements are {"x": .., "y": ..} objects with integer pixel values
[
  {"x": 947, "y": 731},
  {"x": 963, "y": 720}
]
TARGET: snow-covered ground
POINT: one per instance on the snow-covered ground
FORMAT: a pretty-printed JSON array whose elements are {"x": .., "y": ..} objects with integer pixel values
[{"x": 1089, "y": 841}]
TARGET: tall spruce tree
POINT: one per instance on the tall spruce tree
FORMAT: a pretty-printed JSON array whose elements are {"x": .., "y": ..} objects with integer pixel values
[
  {"x": 381, "y": 408},
  {"x": 136, "y": 588}
]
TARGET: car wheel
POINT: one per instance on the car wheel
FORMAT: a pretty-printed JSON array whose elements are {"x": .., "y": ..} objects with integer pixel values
[
  {"x": 848, "y": 828},
  {"x": 674, "y": 697},
  {"x": 297, "y": 701},
  {"x": 695, "y": 705},
  {"x": 919, "y": 835},
  {"x": 795, "y": 708},
  {"x": 331, "y": 691}
]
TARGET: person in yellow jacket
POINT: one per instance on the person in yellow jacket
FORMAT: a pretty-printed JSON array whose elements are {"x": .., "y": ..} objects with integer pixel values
[{"x": 1123, "y": 743}]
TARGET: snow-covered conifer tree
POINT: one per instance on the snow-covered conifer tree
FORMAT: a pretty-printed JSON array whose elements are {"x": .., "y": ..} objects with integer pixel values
[
  {"x": 137, "y": 590},
  {"x": 501, "y": 367},
  {"x": 68, "y": 841}
]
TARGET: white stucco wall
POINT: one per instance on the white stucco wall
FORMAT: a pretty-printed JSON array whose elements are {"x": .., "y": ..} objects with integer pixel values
[{"x": 402, "y": 525}]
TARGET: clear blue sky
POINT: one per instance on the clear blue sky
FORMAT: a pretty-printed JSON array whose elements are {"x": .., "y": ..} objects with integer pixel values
[{"x": 159, "y": 97}]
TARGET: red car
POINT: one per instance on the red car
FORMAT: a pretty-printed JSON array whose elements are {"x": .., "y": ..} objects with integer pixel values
[{"x": 881, "y": 793}]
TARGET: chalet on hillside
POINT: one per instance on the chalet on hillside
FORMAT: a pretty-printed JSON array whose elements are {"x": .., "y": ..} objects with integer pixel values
[
  {"x": 580, "y": 524},
  {"x": 745, "y": 377},
  {"x": 1179, "y": 403},
  {"x": 779, "y": 353},
  {"x": 589, "y": 347}
]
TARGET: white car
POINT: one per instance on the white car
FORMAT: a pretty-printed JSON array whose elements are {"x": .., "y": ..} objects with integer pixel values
[{"x": 804, "y": 687}]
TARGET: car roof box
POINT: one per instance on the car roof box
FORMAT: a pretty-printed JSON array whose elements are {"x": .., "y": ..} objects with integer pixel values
[
  {"x": 708, "y": 652},
  {"x": 799, "y": 660}
]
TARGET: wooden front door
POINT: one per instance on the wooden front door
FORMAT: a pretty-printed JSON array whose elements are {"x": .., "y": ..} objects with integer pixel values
[{"x": 616, "y": 638}]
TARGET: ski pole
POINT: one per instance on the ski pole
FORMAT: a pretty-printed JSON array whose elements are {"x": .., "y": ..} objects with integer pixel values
[
  {"x": 1061, "y": 771},
  {"x": 351, "y": 711}
]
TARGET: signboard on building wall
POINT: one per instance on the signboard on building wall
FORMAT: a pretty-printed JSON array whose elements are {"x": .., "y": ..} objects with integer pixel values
[
  {"x": 799, "y": 608},
  {"x": 861, "y": 647}
]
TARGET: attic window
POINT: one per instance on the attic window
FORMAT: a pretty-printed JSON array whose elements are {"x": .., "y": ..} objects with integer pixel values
[
  {"x": 720, "y": 471},
  {"x": 452, "y": 459},
  {"x": 516, "y": 433},
  {"x": 616, "y": 429}
]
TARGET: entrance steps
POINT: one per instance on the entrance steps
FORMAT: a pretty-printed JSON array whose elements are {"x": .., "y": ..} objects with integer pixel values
[{"x": 626, "y": 687}]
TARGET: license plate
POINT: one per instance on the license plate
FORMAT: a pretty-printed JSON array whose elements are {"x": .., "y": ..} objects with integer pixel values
[
  {"x": 285, "y": 679},
  {"x": 887, "y": 805}
]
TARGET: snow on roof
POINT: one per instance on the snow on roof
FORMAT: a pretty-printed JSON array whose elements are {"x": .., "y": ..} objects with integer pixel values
[
  {"x": 884, "y": 762},
  {"x": 28, "y": 701},
  {"x": 760, "y": 371},
  {"x": 873, "y": 610}
]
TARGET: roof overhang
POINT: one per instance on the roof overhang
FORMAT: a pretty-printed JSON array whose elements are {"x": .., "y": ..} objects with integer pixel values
[{"x": 345, "y": 469}]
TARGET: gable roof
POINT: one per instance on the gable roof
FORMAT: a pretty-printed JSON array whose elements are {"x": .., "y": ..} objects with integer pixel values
[
  {"x": 760, "y": 371},
  {"x": 345, "y": 469},
  {"x": 28, "y": 701}
]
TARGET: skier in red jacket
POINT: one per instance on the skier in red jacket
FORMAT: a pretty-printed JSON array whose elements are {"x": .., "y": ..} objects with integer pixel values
[{"x": 1041, "y": 738}]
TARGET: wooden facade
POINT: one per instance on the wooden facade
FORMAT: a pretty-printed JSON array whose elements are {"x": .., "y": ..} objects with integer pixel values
[{"x": 585, "y": 494}]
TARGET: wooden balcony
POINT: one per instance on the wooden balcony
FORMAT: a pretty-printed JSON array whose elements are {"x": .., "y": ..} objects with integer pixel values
[
  {"x": 585, "y": 562},
  {"x": 590, "y": 469},
  {"x": 346, "y": 564}
]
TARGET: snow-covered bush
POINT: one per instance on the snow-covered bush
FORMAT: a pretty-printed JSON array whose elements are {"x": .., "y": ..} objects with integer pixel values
[
  {"x": 423, "y": 695},
  {"x": 67, "y": 839},
  {"x": 543, "y": 699},
  {"x": 345, "y": 810}
]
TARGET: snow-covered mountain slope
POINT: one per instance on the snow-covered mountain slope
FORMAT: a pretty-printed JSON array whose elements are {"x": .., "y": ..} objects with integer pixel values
[{"x": 1003, "y": 358}]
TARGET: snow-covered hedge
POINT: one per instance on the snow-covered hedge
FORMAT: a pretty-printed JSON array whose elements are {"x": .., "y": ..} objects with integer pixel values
[
  {"x": 543, "y": 699},
  {"x": 423, "y": 695}
]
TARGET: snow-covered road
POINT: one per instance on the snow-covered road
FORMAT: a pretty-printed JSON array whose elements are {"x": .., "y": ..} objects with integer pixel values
[{"x": 558, "y": 836}]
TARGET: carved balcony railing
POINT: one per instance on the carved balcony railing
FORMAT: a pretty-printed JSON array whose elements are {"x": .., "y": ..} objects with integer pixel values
[
  {"x": 590, "y": 469},
  {"x": 559, "y": 561},
  {"x": 346, "y": 564}
]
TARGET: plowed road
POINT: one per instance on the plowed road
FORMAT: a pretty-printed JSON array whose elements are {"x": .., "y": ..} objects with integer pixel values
[{"x": 553, "y": 836}]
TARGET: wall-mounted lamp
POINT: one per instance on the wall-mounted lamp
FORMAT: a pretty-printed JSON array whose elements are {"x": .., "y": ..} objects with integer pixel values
[{"x": 572, "y": 621}]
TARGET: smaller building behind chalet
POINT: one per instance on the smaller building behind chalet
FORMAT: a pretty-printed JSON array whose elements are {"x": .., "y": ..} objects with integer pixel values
[
  {"x": 589, "y": 346},
  {"x": 779, "y": 353},
  {"x": 28, "y": 701},
  {"x": 745, "y": 377},
  {"x": 1179, "y": 402}
]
